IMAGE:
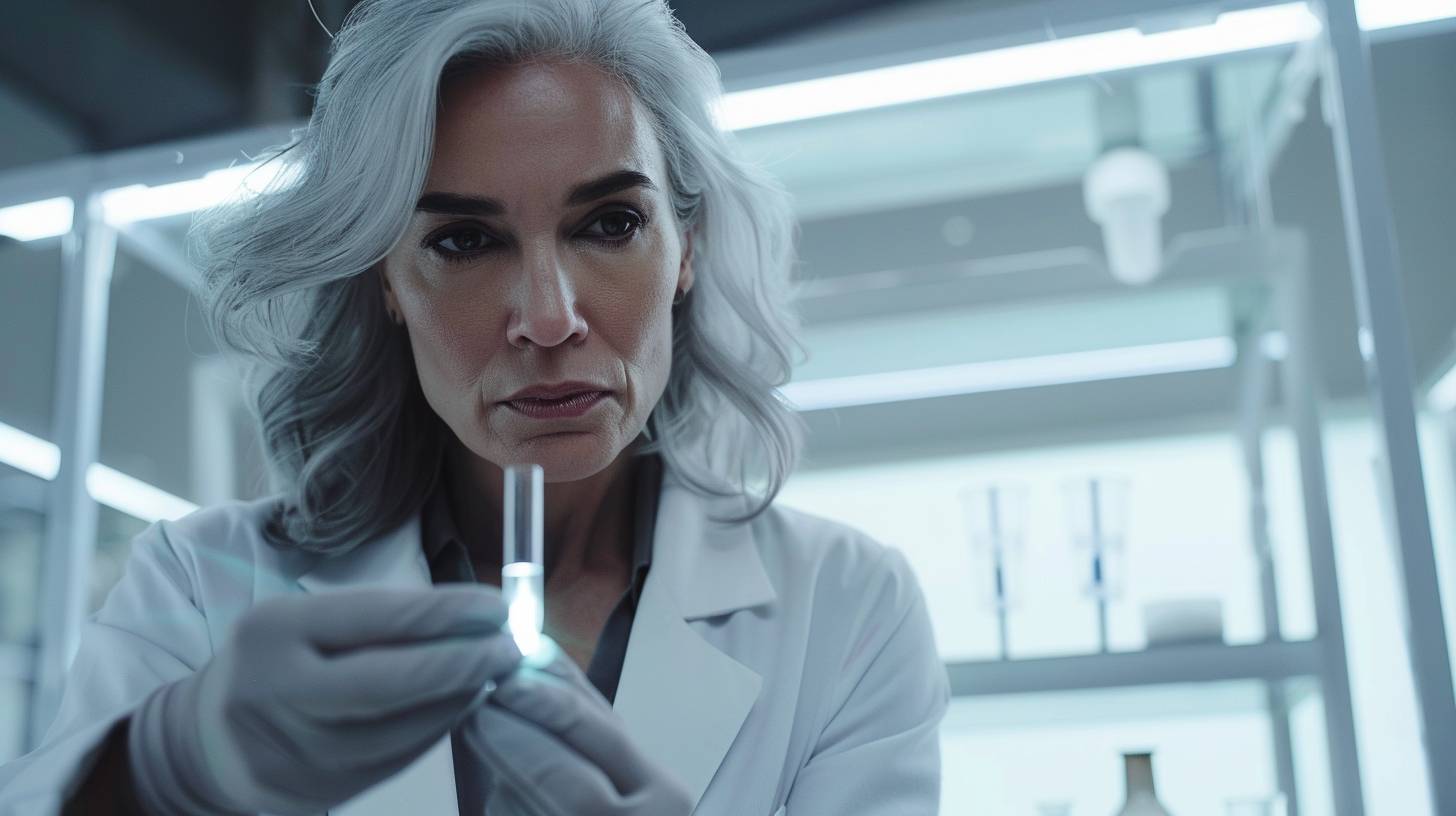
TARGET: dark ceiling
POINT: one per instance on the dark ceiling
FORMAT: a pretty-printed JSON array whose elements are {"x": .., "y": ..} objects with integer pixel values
[{"x": 122, "y": 74}]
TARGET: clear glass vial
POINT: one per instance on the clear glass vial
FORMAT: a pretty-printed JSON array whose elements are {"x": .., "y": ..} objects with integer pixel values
[{"x": 523, "y": 559}]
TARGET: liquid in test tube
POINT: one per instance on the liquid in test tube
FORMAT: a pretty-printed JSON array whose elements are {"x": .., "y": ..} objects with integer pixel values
[{"x": 523, "y": 561}]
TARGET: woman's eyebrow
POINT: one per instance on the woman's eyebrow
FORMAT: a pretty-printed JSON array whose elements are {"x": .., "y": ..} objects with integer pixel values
[
  {"x": 614, "y": 182},
  {"x": 458, "y": 204}
]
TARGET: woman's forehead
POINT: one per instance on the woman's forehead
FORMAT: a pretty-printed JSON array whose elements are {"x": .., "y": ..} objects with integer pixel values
[{"x": 538, "y": 128}]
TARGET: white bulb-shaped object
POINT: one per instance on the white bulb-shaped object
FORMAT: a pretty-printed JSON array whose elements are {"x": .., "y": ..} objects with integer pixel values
[{"x": 1126, "y": 191}]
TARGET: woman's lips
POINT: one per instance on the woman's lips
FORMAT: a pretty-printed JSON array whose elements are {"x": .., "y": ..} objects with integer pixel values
[{"x": 564, "y": 408}]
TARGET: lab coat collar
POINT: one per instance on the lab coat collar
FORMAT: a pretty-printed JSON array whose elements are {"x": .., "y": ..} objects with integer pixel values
[{"x": 682, "y": 699}]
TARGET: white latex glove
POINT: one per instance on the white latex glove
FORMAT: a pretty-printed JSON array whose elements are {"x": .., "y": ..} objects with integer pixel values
[
  {"x": 316, "y": 697},
  {"x": 555, "y": 747}
]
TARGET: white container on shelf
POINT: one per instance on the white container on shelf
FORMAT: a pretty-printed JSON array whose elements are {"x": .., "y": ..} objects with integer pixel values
[{"x": 1183, "y": 621}]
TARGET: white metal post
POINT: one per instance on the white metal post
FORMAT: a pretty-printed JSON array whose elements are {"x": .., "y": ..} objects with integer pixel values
[
  {"x": 1375, "y": 266},
  {"x": 1255, "y": 375},
  {"x": 70, "y": 540},
  {"x": 1301, "y": 394},
  {"x": 214, "y": 453}
]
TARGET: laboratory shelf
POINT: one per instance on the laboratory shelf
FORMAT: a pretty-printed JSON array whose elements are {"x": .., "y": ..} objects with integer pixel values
[
  {"x": 1162, "y": 665},
  {"x": 977, "y": 714}
]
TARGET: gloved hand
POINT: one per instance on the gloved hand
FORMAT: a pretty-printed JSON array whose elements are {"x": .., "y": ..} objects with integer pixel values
[
  {"x": 316, "y": 697},
  {"x": 554, "y": 747}
]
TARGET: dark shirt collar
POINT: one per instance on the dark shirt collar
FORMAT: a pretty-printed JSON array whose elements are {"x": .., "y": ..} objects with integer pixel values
[
  {"x": 439, "y": 531},
  {"x": 437, "y": 521}
]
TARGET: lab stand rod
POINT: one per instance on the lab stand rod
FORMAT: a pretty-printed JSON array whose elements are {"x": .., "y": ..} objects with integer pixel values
[
  {"x": 1300, "y": 396},
  {"x": 1003, "y": 626},
  {"x": 1254, "y": 397},
  {"x": 146, "y": 243},
  {"x": 1270, "y": 129},
  {"x": 70, "y": 531},
  {"x": 1253, "y": 408},
  {"x": 1448, "y": 438},
  {"x": 1099, "y": 566},
  {"x": 1375, "y": 267}
]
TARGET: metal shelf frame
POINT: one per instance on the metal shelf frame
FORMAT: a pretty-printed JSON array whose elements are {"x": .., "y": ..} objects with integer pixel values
[
  {"x": 1262, "y": 272},
  {"x": 1272, "y": 662}
]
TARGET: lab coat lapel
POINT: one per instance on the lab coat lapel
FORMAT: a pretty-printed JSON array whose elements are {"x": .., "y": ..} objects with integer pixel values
[
  {"x": 682, "y": 699},
  {"x": 395, "y": 559}
]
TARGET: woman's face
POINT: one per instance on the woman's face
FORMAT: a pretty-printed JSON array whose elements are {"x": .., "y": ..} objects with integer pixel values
[{"x": 544, "y": 250}]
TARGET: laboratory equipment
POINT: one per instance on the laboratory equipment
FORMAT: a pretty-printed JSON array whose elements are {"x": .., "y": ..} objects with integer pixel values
[
  {"x": 1097, "y": 514},
  {"x": 1126, "y": 191},
  {"x": 523, "y": 559},
  {"x": 1142, "y": 795},
  {"x": 1183, "y": 621},
  {"x": 996, "y": 521}
]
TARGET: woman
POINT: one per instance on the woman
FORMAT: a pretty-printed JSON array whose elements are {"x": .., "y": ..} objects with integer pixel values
[{"x": 514, "y": 235}]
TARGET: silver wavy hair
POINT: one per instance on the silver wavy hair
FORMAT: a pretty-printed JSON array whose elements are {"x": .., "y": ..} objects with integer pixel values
[{"x": 351, "y": 443}]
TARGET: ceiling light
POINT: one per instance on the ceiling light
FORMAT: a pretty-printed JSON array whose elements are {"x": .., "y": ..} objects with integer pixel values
[
  {"x": 1018, "y": 65},
  {"x": 139, "y": 202},
  {"x": 1378, "y": 14},
  {"x": 27, "y": 453},
  {"x": 1004, "y": 375},
  {"x": 112, "y": 488},
  {"x": 1054, "y": 59},
  {"x": 35, "y": 220},
  {"x": 133, "y": 496}
]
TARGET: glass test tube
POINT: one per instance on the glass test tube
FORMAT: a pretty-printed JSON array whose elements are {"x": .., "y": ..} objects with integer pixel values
[{"x": 523, "y": 561}]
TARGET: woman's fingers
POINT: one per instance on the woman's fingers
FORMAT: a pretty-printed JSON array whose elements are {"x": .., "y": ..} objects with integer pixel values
[
  {"x": 541, "y": 770},
  {"x": 371, "y": 616},
  {"x": 592, "y": 731},
  {"x": 550, "y": 658},
  {"x": 377, "y": 747},
  {"x": 378, "y": 681}
]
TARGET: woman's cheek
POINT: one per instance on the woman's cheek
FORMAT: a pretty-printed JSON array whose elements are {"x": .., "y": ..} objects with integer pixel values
[{"x": 453, "y": 339}]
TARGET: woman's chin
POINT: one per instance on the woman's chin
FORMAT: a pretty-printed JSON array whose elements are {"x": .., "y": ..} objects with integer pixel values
[{"x": 567, "y": 456}]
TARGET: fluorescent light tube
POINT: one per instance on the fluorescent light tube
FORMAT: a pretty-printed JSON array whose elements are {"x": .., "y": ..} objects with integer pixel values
[
  {"x": 138, "y": 202},
  {"x": 1063, "y": 58},
  {"x": 35, "y": 220},
  {"x": 112, "y": 488},
  {"x": 30, "y": 454},
  {"x": 1017, "y": 65},
  {"x": 134, "y": 496},
  {"x": 1378, "y": 14},
  {"x": 1004, "y": 375}
]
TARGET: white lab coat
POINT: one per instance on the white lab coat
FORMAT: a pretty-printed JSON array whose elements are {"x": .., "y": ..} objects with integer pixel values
[{"x": 785, "y": 665}]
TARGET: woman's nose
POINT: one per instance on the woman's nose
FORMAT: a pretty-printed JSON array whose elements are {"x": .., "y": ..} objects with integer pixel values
[{"x": 545, "y": 313}]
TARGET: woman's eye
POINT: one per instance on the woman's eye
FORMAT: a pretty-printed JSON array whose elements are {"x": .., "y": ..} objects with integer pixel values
[
  {"x": 461, "y": 241},
  {"x": 617, "y": 226},
  {"x": 464, "y": 242}
]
